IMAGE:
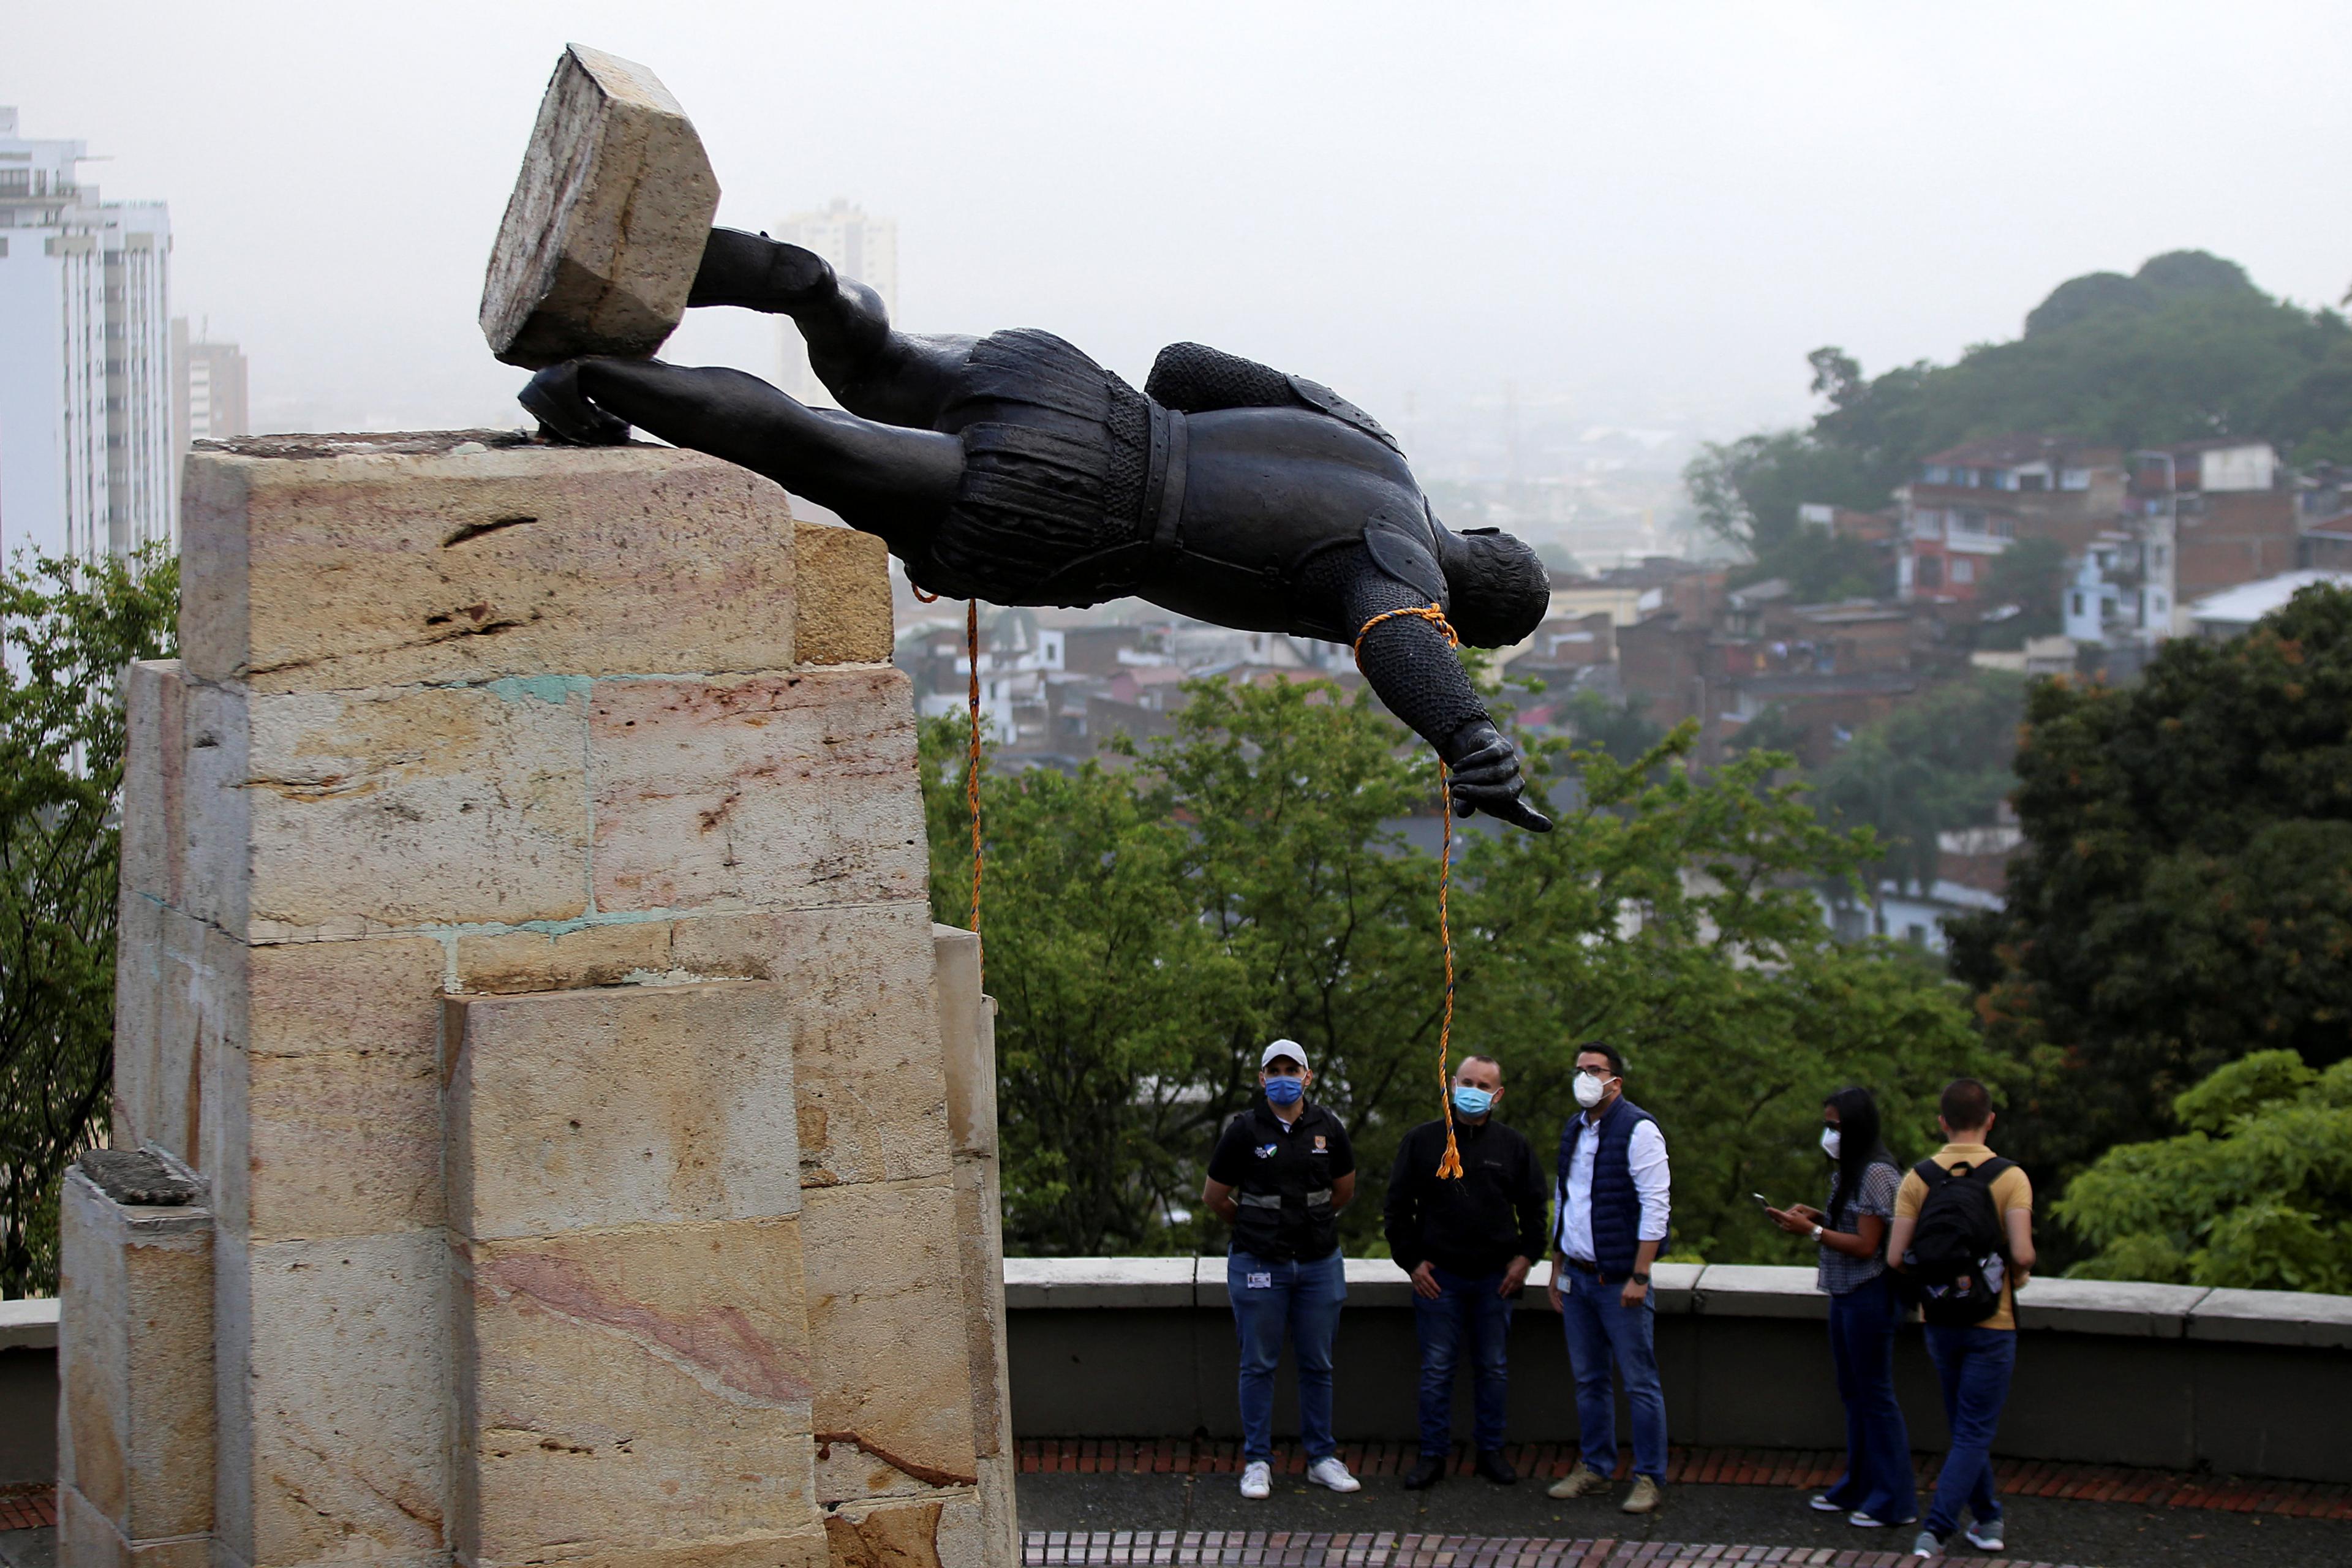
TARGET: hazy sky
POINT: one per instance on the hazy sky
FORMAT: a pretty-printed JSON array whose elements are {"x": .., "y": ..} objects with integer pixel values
[{"x": 1647, "y": 210}]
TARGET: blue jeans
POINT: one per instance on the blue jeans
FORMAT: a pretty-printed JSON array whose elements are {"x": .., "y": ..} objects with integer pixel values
[
  {"x": 1304, "y": 1298},
  {"x": 1974, "y": 1366},
  {"x": 1599, "y": 1326},
  {"x": 1471, "y": 1308},
  {"x": 1877, "y": 1479}
]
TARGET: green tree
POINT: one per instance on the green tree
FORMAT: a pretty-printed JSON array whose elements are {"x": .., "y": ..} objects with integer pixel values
[
  {"x": 2256, "y": 1193},
  {"x": 1150, "y": 927},
  {"x": 2032, "y": 576},
  {"x": 70, "y": 629},
  {"x": 1938, "y": 765},
  {"x": 1746, "y": 492},
  {"x": 2184, "y": 894}
]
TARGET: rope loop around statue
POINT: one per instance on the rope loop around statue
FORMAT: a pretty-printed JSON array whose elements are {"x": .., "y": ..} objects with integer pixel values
[{"x": 1450, "y": 1165}]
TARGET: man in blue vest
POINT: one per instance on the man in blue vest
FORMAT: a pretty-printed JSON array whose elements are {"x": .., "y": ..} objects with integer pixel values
[{"x": 1612, "y": 1188}]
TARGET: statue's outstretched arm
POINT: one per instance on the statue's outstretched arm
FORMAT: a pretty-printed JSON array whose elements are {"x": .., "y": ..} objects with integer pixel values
[{"x": 1407, "y": 660}]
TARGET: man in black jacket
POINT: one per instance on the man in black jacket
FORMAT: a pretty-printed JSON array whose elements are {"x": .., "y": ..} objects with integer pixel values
[{"x": 1467, "y": 1244}]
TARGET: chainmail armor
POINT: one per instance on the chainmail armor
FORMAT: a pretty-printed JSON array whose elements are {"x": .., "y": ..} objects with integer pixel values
[{"x": 1407, "y": 660}]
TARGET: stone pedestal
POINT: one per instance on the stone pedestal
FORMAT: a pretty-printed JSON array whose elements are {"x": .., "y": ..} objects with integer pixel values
[{"x": 525, "y": 930}]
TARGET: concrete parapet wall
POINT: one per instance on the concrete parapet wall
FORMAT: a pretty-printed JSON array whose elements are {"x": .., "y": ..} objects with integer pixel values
[{"x": 2244, "y": 1382}]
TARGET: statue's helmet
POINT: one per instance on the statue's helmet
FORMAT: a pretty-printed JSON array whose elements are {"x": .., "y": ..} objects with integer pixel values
[{"x": 1500, "y": 588}]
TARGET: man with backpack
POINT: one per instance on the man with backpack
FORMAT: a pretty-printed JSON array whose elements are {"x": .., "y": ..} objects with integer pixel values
[{"x": 1963, "y": 1237}]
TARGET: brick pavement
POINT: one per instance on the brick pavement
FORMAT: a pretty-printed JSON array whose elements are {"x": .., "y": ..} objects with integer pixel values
[
  {"x": 1386, "y": 1549},
  {"x": 32, "y": 1507},
  {"x": 1732, "y": 1466}
]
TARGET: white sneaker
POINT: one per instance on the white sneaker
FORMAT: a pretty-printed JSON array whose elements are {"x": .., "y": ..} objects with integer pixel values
[
  {"x": 1331, "y": 1471},
  {"x": 1258, "y": 1478},
  {"x": 1986, "y": 1535}
]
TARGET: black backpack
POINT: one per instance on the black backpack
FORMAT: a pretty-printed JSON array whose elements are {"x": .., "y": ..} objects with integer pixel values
[{"x": 1958, "y": 1256}]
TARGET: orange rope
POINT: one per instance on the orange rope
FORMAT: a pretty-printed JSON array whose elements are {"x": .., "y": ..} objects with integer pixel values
[
  {"x": 1450, "y": 1165},
  {"x": 971, "y": 760}
]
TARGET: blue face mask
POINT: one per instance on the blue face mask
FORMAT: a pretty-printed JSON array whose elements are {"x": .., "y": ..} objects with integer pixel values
[
  {"x": 1285, "y": 1090},
  {"x": 1472, "y": 1102}
]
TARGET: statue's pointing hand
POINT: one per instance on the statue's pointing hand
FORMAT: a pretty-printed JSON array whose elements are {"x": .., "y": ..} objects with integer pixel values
[{"x": 1484, "y": 775}]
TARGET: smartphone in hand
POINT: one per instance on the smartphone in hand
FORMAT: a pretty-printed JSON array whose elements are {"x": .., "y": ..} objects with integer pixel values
[{"x": 1762, "y": 1201}]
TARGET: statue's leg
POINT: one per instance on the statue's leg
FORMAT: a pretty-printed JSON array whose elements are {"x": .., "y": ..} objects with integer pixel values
[
  {"x": 881, "y": 477},
  {"x": 880, "y": 373}
]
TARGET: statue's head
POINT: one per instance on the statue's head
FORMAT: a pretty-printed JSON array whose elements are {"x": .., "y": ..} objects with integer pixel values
[{"x": 1501, "y": 589}]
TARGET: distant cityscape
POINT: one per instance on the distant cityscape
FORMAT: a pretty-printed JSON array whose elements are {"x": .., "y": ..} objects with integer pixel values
[{"x": 102, "y": 387}]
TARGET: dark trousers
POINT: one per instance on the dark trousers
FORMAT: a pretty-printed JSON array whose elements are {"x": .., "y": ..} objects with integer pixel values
[
  {"x": 1974, "y": 1365},
  {"x": 1469, "y": 1309},
  {"x": 1877, "y": 1479}
]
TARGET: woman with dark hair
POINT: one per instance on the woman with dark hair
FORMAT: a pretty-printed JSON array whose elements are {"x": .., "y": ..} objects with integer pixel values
[{"x": 1878, "y": 1490}]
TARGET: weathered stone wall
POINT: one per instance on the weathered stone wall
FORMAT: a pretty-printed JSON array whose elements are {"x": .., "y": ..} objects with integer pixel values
[{"x": 525, "y": 927}]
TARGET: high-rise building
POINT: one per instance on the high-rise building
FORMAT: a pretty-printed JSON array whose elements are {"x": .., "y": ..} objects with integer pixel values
[
  {"x": 208, "y": 388},
  {"x": 86, "y": 447},
  {"x": 859, "y": 246}
]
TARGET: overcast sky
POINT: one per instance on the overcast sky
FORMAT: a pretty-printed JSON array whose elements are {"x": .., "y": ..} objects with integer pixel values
[{"x": 1646, "y": 211}]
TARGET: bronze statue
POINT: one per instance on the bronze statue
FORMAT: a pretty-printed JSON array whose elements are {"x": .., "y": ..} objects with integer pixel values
[{"x": 1013, "y": 469}]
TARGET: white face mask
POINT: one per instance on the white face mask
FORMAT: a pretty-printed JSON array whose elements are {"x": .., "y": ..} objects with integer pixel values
[
  {"x": 1590, "y": 1090},
  {"x": 1830, "y": 1141}
]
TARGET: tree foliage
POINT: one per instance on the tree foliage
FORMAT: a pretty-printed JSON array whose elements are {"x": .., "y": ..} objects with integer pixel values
[
  {"x": 2184, "y": 895},
  {"x": 2186, "y": 349},
  {"x": 70, "y": 629},
  {"x": 1938, "y": 765},
  {"x": 2256, "y": 1193},
  {"x": 1150, "y": 926}
]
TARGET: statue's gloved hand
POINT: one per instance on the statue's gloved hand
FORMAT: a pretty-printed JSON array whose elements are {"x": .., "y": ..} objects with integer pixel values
[
  {"x": 553, "y": 397},
  {"x": 1483, "y": 769}
]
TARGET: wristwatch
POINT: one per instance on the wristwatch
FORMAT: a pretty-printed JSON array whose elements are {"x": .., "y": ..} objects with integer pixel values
[
  {"x": 1817, "y": 1232},
  {"x": 1641, "y": 1279}
]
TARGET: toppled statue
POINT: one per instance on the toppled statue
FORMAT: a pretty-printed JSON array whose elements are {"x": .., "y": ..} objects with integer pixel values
[{"x": 1009, "y": 467}]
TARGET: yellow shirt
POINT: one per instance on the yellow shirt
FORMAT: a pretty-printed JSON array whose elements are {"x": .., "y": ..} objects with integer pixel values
[{"x": 2011, "y": 1190}]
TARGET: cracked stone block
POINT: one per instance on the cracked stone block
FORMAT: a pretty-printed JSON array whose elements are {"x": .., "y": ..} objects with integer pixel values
[
  {"x": 623, "y": 1105},
  {"x": 416, "y": 806},
  {"x": 884, "y": 1272},
  {"x": 179, "y": 1010},
  {"x": 942, "y": 1531},
  {"x": 606, "y": 225},
  {"x": 637, "y": 1390},
  {"x": 774, "y": 790},
  {"x": 465, "y": 562},
  {"x": 335, "y": 1409},
  {"x": 870, "y": 1094},
  {"x": 134, "y": 1369}
]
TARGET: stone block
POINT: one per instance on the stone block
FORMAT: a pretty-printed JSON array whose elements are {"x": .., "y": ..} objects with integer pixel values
[
  {"x": 88, "y": 1539},
  {"x": 625, "y": 1105},
  {"x": 940, "y": 1531},
  {"x": 134, "y": 1366},
  {"x": 155, "y": 739},
  {"x": 605, "y": 227},
  {"x": 421, "y": 806},
  {"x": 341, "y": 1419},
  {"x": 566, "y": 959},
  {"x": 443, "y": 560},
  {"x": 776, "y": 790},
  {"x": 632, "y": 1390},
  {"x": 1088, "y": 1283},
  {"x": 871, "y": 1092},
  {"x": 883, "y": 1275},
  {"x": 2103, "y": 1307},
  {"x": 842, "y": 583},
  {"x": 180, "y": 1005},
  {"x": 211, "y": 852},
  {"x": 967, "y": 1037},
  {"x": 2299, "y": 1318}
]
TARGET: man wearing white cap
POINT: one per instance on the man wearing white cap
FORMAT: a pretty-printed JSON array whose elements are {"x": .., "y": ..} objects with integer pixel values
[{"x": 1280, "y": 1175}]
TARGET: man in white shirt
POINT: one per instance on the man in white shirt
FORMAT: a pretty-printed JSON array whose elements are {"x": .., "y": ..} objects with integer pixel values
[{"x": 1613, "y": 1193}]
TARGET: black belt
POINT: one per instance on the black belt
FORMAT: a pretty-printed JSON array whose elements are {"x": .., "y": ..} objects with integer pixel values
[{"x": 1585, "y": 1266}]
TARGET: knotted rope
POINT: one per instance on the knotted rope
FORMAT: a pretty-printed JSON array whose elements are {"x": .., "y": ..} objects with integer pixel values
[
  {"x": 972, "y": 765},
  {"x": 1451, "y": 1164}
]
